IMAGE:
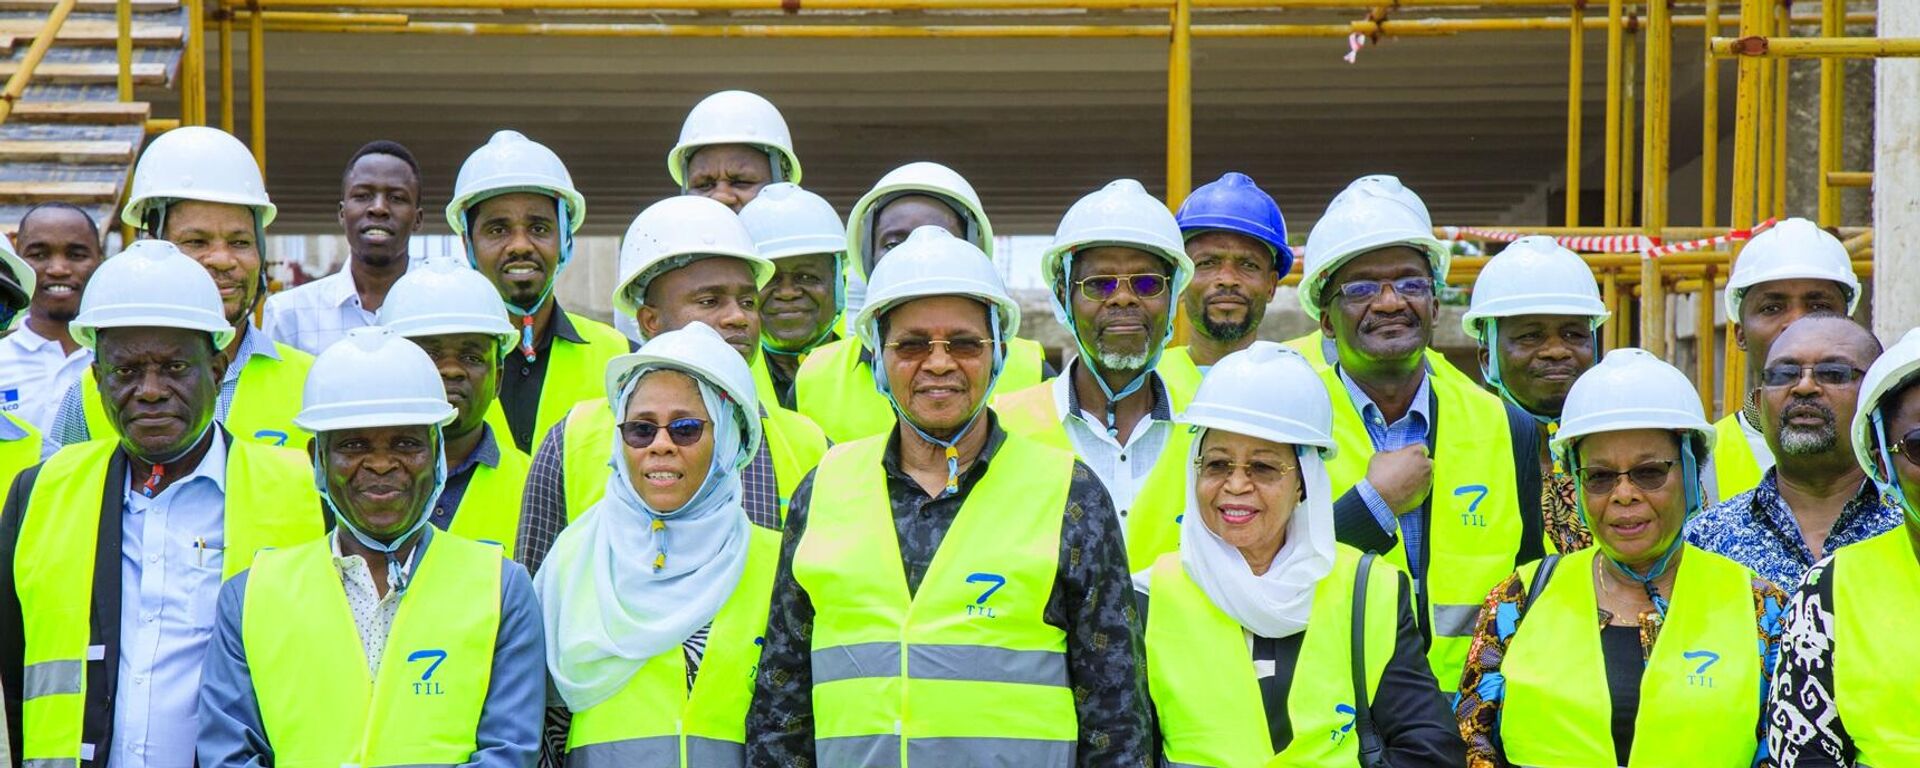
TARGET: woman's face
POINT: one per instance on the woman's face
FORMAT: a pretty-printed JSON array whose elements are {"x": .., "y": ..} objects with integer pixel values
[
  {"x": 1631, "y": 523},
  {"x": 663, "y": 472},
  {"x": 1248, "y": 489}
]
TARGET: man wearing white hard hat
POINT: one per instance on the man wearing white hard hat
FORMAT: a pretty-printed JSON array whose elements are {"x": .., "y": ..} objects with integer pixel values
[
  {"x": 948, "y": 593},
  {"x": 684, "y": 259},
  {"x": 1253, "y": 625},
  {"x": 732, "y": 144},
  {"x": 385, "y": 642},
  {"x": 19, "y": 441},
  {"x": 834, "y": 388},
  {"x": 1114, "y": 272},
  {"x": 200, "y": 189},
  {"x": 59, "y": 244},
  {"x": 515, "y": 207},
  {"x": 800, "y": 306},
  {"x": 111, "y": 552},
  {"x": 454, "y": 315},
  {"x": 1536, "y": 313},
  {"x": 1844, "y": 693},
  {"x": 1791, "y": 270},
  {"x": 1435, "y": 473}
]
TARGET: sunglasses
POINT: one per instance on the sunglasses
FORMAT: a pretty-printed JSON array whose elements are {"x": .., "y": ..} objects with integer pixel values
[
  {"x": 1362, "y": 291},
  {"x": 1651, "y": 476},
  {"x": 915, "y": 350},
  {"x": 683, "y": 432},
  {"x": 1260, "y": 472},
  {"x": 1102, "y": 287},
  {"x": 1908, "y": 447},
  {"x": 1824, "y": 374}
]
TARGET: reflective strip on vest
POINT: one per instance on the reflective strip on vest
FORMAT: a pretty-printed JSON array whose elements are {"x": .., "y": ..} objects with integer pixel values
[
  {"x": 1735, "y": 469},
  {"x": 489, "y": 510},
  {"x": 836, "y": 390},
  {"x": 270, "y": 502},
  {"x": 575, "y": 372},
  {"x": 1152, "y": 526},
  {"x": 265, "y": 401},
  {"x": 318, "y": 704},
  {"x": 976, "y": 620},
  {"x": 1207, "y": 695},
  {"x": 1876, "y": 638},
  {"x": 1473, "y": 523},
  {"x": 793, "y": 441},
  {"x": 1699, "y": 696}
]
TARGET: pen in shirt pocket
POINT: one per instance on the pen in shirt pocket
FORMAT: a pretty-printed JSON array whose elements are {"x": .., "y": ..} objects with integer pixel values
[{"x": 201, "y": 548}]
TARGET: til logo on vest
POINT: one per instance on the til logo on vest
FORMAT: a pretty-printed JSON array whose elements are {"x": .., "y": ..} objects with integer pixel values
[
  {"x": 1472, "y": 516},
  {"x": 1700, "y": 678},
  {"x": 979, "y": 608},
  {"x": 425, "y": 686},
  {"x": 1347, "y": 711}
]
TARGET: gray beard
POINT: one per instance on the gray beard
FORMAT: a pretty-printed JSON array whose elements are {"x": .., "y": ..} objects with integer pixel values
[
  {"x": 1121, "y": 361},
  {"x": 1807, "y": 442}
]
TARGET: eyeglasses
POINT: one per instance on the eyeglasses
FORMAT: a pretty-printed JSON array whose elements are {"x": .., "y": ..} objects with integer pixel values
[
  {"x": 683, "y": 432},
  {"x": 1359, "y": 291},
  {"x": 1824, "y": 374},
  {"x": 1908, "y": 447},
  {"x": 915, "y": 350},
  {"x": 1651, "y": 476},
  {"x": 1260, "y": 472},
  {"x": 1102, "y": 287}
]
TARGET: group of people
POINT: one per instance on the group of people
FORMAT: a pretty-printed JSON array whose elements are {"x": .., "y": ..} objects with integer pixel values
[{"x": 815, "y": 502}]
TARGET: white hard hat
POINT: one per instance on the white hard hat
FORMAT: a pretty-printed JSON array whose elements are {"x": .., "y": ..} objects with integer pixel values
[
  {"x": 441, "y": 296},
  {"x": 678, "y": 231},
  {"x": 1632, "y": 389},
  {"x": 11, "y": 262},
  {"x": 1895, "y": 367},
  {"x": 699, "y": 351},
  {"x": 195, "y": 162},
  {"x": 917, "y": 178},
  {"x": 1792, "y": 249},
  {"x": 1534, "y": 276},
  {"x": 734, "y": 117},
  {"x": 373, "y": 377},
  {"x": 1120, "y": 213},
  {"x": 1237, "y": 395},
  {"x": 786, "y": 220},
  {"x": 1372, "y": 213},
  {"x": 932, "y": 262},
  {"x": 151, "y": 284},
  {"x": 511, "y": 162}
]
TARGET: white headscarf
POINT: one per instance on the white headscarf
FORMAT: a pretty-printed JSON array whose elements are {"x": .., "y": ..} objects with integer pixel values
[
  {"x": 1278, "y": 602},
  {"x": 607, "y": 608}
]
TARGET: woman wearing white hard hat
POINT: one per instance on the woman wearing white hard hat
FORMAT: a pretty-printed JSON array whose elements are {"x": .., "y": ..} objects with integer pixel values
[
  {"x": 1236, "y": 676},
  {"x": 1845, "y": 695},
  {"x": 733, "y": 144},
  {"x": 385, "y": 642},
  {"x": 655, "y": 598},
  {"x": 1643, "y": 650}
]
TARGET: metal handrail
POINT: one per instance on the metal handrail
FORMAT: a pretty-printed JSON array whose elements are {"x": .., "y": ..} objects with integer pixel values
[{"x": 17, "y": 84}]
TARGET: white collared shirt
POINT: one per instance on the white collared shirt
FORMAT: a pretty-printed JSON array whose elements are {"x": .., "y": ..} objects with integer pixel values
[
  {"x": 313, "y": 316},
  {"x": 172, "y": 547},
  {"x": 373, "y": 613},
  {"x": 35, "y": 373},
  {"x": 1123, "y": 469}
]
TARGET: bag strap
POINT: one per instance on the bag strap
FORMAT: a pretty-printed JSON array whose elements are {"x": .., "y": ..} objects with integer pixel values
[
  {"x": 1541, "y": 577},
  {"x": 1372, "y": 751}
]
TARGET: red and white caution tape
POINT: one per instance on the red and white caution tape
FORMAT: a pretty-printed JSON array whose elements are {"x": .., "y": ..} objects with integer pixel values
[
  {"x": 1355, "y": 42},
  {"x": 1647, "y": 247},
  {"x": 1709, "y": 242}
]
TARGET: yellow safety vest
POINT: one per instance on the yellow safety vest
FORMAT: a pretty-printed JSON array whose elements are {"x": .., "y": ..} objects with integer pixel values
[
  {"x": 1153, "y": 522},
  {"x": 1876, "y": 613},
  {"x": 835, "y": 389},
  {"x": 265, "y": 400},
  {"x": 763, "y": 381},
  {"x": 1311, "y": 347},
  {"x": 1473, "y": 527},
  {"x": 1700, "y": 693},
  {"x": 321, "y": 708},
  {"x": 17, "y": 455},
  {"x": 575, "y": 372},
  {"x": 794, "y": 442},
  {"x": 1207, "y": 695},
  {"x": 1735, "y": 470},
  {"x": 489, "y": 510},
  {"x": 655, "y": 721},
  {"x": 1179, "y": 372},
  {"x": 967, "y": 662},
  {"x": 270, "y": 502}
]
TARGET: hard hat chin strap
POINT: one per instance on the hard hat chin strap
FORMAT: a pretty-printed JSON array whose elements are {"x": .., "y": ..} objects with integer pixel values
[
  {"x": 397, "y": 580},
  {"x": 949, "y": 446},
  {"x": 1889, "y": 486},
  {"x": 525, "y": 314},
  {"x": 1690, "y": 477},
  {"x": 1088, "y": 359},
  {"x": 826, "y": 329}
]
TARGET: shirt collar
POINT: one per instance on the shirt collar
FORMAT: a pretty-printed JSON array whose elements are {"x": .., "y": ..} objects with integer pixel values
[
  {"x": 1066, "y": 395},
  {"x": 561, "y": 326},
  {"x": 486, "y": 452},
  {"x": 24, "y": 338},
  {"x": 890, "y": 461},
  {"x": 339, "y": 289},
  {"x": 1422, "y": 398},
  {"x": 406, "y": 568},
  {"x": 212, "y": 466},
  {"x": 1767, "y": 503}
]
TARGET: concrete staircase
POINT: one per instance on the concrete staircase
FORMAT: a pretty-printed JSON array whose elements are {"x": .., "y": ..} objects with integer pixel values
[{"x": 70, "y": 138}]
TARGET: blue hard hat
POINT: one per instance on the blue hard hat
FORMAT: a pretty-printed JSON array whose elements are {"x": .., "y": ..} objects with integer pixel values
[{"x": 1233, "y": 203}]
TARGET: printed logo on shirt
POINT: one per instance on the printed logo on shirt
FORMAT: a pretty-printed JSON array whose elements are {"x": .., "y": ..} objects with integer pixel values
[
  {"x": 426, "y": 686},
  {"x": 979, "y": 606},
  {"x": 10, "y": 399},
  {"x": 1699, "y": 677},
  {"x": 1347, "y": 711},
  {"x": 1472, "y": 516}
]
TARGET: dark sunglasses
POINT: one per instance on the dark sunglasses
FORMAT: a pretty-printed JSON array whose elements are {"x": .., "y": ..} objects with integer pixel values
[
  {"x": 1824, "y": 374},
  {"x": 1651, "y": 476},
  {"x": 683, "y": 432},
  {"x": 915, "y": 350},
  {"x": 1908, "y": 448},
  {"x": 1359, "y": 291},
  {"x": 1102, "y": 287}
]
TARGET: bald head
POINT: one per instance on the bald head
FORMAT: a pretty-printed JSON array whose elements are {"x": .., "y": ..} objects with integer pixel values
[
  {"x": 1808, "y": 418},
  {"x": 1819, "y": 337}
]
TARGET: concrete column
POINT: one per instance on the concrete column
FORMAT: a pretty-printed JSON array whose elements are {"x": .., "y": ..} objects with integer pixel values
[{"x": 1896, "y": 183}]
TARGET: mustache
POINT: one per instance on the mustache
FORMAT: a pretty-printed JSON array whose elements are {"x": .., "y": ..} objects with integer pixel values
[{"x": 1808, "y": 408}]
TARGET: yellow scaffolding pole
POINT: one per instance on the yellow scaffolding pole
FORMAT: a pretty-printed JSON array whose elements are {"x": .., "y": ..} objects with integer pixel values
[
  {"x": 1746, "y": 176},
  {"x": 1653, "y": 174},
  {"x": 123, "y": 48},
  {"x": 226, "y": 67},
  {"x": 1576, "y": 79},
  {"x": 17, "y": 84},
  {"x": 1757, "y": 46},
  {"x": 1832, "y": 118},
  {"x": 1629, "y": 120},
  {"x": 257, "y": 87},
  {"x": 193, "y": 86},
  {"x": 1703, "y": 341},
  {"x": 1710, "y": 126},
  {"x": 1616, "y": 34},
  {"x": 1839, "y": 179},
  {"x": 1180, "y": 125},
  {"x": 1780, "y": 82}
]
